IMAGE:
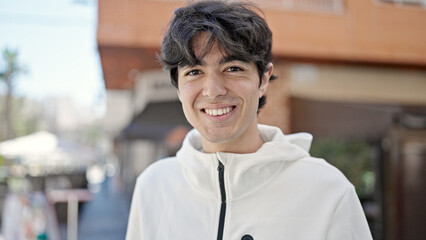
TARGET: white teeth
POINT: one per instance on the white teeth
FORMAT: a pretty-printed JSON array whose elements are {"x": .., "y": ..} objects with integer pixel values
[{"x": 216, "y": 112}]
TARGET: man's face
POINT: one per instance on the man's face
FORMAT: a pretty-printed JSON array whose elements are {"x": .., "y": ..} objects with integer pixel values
[{"x": 220, "y": 98}]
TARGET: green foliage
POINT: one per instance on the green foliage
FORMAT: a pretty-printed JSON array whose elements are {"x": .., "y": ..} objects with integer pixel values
[
  {"x": 26, "y": 115},
  {"x": 353, "y": 158},
  {"x": 13, "y": 66},
  {"x": 7, "y": 75},
  {"x": 26, "y": 118}
]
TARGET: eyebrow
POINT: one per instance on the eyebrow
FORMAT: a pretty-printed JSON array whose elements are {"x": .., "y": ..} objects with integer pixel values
[{"x": 225, "y": 59}]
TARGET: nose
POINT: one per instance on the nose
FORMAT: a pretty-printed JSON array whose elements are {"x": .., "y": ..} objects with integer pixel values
[{"x": 214, "y": 86}]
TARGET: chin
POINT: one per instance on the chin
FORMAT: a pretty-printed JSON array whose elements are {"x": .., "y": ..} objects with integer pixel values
[{"x": 221, "y": 136}]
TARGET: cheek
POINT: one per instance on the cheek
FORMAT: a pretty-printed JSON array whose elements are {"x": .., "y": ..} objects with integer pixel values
[
  {"x": 187, "y": 107},
  {"x": 186, "y": 101},
  {"x": 250, "y": 92},
  {"x": 253, "y": 96},
  {"x": 187, "y": 96}
]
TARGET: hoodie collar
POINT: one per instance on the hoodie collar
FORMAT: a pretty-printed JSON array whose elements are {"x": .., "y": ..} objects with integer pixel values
[{"x": 244, "y": 173}]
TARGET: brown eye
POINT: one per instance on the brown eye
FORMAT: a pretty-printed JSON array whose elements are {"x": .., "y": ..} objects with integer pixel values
[
  {"x": 234, "y": 69},
  {"x": 193, "y": 72}
]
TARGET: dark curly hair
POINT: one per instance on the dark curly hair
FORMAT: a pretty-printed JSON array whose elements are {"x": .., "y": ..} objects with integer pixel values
[{"x": 238, "y": 31}]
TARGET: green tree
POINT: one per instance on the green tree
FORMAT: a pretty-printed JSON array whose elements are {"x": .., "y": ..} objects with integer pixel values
[
  {"x": 12, "y": 69},
  {"x": 353, "y": 157}
]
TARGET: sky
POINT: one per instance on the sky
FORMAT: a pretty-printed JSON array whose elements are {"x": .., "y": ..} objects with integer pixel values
[{"x": 56, "y": 41}]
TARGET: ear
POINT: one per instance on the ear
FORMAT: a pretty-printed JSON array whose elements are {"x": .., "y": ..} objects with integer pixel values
[
  {"x": 178, "y": 93},
  {"x": 265, "y": 80}
]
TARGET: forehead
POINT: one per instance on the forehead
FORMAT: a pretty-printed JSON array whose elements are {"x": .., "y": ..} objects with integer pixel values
[{"x": 205, "y": 46}]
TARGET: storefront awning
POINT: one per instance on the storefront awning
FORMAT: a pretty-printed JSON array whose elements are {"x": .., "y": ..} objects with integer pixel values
[{"x": 156, "y": 121}]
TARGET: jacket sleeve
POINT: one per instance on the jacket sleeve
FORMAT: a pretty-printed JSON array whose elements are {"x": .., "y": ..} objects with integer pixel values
[
  {"x": 348, "y": 221},
  {"x": 134, "y": 224}
]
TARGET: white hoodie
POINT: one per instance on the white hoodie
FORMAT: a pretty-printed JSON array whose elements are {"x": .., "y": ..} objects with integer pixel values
[{"x": 278, "y": 192}]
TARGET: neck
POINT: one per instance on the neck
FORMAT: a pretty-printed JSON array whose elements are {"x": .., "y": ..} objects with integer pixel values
[{"x": 249, "y": 142}]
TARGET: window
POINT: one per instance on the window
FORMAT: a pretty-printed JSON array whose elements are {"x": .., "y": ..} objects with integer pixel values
[
  {"x": 407, "y": 2},
  {"x": 329, "y": 6},
  {"x": 326, "y": 6}
]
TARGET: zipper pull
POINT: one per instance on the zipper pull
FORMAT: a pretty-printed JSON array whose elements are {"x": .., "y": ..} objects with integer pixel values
[{"x": 220, "y": 167}]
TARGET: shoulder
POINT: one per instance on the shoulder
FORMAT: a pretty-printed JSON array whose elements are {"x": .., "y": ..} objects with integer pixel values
[
  {"x": 159, "y": 171},
  {"x": 318, "y": 172}
]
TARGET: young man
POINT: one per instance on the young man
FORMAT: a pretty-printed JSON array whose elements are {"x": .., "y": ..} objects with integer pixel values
[{"x": 233, "y": 178}]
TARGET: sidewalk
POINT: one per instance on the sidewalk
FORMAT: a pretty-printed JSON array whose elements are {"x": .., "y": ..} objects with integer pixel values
[{"x": 105, "y": 217}]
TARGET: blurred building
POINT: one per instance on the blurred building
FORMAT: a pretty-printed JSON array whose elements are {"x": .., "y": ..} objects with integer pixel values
[
  {"x": 348, "y": 69},
  {"x": 64, "y": 115}
]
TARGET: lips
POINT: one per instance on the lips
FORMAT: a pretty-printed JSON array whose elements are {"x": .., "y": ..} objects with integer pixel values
[{"x": 218, "y": 111}]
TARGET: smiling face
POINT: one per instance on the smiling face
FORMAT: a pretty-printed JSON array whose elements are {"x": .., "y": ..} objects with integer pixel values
[{"x": 220, "y": 97}]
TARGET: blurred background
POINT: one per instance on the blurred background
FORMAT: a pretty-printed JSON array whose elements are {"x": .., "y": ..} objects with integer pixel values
[{"x": 85, "y": 107}]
